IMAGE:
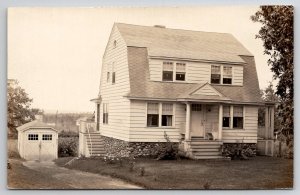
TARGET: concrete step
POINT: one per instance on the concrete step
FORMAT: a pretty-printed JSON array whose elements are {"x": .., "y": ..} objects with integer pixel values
[
  {"x": 205, "y": 146},
  {"x": 210, "y": 153},
  {"x": 208, "y": 157},
  {"x": 206, "y": 150}
]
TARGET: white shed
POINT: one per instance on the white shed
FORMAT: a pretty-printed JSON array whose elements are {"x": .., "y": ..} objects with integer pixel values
[{"x": 37, "y": 141}]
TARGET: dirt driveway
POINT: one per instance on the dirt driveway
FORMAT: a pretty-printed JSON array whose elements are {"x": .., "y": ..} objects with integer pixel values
[{"x": 48, "y": 176}]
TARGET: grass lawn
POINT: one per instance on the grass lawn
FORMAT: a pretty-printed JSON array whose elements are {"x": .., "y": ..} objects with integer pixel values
[{"x": 256, "y": 173}]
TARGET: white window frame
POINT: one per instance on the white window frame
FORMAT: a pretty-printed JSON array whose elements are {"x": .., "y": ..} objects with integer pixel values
[
  {"x": 46, "y": 137},
  {"x": 160, "y": 115},
  {"x": 174, "y": 71},
  {"x": 32, "y": 136},
  {"x": 113, "y": 74},
  {"x": 222, "y": 74},
  {"x": 231, "y": 118}
]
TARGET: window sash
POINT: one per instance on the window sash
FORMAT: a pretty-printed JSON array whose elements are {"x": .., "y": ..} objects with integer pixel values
[
  {"x": 168, "y": 66},
  {"x": 226, "y": 111},
  {"x": 152, "y": 120},
  {"x": 33, "y": 137},
  {"x": 215, "y": 69},
  {"x": 152, "y": 108},
  {"x": 237, "y": 111},
  {"x": 47, "y": 137},
  {"x": 167, "y": 109},
  {"x": 166, "y": 120},
  {"x": 227, "y": 71},
  {"x": 180, "y": 67}
]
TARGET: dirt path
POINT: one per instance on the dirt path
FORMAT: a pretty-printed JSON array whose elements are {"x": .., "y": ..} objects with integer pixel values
[{"x": 73, "y": 179}]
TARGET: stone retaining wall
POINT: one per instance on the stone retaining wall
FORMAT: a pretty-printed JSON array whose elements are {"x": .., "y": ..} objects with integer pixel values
[
  {"x": 228, "y": 149},
  {"x": 120, "y": 148}
]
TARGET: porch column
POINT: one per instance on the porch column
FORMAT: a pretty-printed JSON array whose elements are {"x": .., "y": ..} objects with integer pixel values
[
  {"x": 272, "y": 122},
  {"x": 220, "y": 121},
  {"x": 188, "y": 122},
  {"x": 267, "y": 118}
]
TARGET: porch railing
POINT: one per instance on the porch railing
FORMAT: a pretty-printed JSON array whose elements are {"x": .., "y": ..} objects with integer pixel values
[{"x": 87, "y": 127}]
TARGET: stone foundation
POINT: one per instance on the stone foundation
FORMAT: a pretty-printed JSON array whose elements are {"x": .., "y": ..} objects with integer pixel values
[
  {"x": 122, "y": 149},
  {"x": 248, "y": 149}
]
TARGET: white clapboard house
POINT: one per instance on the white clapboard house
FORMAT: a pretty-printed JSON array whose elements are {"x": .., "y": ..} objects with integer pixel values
[{"x": 199, "y": 89}]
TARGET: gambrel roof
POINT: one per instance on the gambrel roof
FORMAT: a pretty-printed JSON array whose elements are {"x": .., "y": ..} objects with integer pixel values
[
  {"x": 184, "y": 44},
  {"x": 144, "y": 42}
]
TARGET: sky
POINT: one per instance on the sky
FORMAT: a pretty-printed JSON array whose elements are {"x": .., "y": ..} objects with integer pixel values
[{"x": 56, "y": 53}]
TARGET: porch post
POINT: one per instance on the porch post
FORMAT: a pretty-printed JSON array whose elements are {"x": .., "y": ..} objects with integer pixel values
[
  {"x": 220, "y": 121},
  {"x": 267, "y": 118},
  {"x": 272, "y": 122},
  {"x": 187, "y": 122}
]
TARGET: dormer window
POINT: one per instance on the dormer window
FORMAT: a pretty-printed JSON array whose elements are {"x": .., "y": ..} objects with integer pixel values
[
  {"x": 221, "y": 74},
  {"x": 215, "y": 74},
  {"x": 227, "y": 75},
  {"x": 180, "y": 71},
  {"x": 167, "y": 71}
]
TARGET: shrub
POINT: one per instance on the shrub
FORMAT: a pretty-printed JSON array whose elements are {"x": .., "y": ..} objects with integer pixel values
[
  {"x": 170, "y": 151},
  {"x": 67, "y": 146},
  {"x": 239, "y": 151}
]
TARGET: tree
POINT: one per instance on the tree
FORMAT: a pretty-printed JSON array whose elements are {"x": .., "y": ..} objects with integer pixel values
[
  {"x": 277, "y": 34},
  {"x": 18, "y": 108}
]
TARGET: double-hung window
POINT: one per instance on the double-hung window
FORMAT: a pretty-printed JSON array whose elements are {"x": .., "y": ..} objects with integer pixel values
[
  {"x": 105, "y": 113},
  {"x": 167, "y": 114},
  {"x": 226, "y": 116},
  {"x": 227, "y": 75},
  {"x": 233, "y": 117},
  {"x": 215, "y": 74},
  {"x": 167, "y": 71},
  {"x": 152, "y": 114},
  {"x": 180, "y": 71},
  {"x": 238, "y": 119}
]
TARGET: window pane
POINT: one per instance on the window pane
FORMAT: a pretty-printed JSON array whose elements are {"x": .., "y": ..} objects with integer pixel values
[
  {"x": 180, "y": 67},
  {"x": 226, "y": 111},
  {"x": 152, "y": 120},
  {"x": 237, "y": 111},
  {"x": 152, "y": 108},
  {"x": 196, "y": 107},
  {"x": 227, "y": 80},
  {"x": 168, "y": 66},
  {"x": 180, "y": 76},
  {"x": 227, "y": 71},
  {"x": 166, "y": 120},
  {"x": 226, "y": 121},
  {"x": 33, "y": 136},
  {"x": 215, "y": 78},
  {"x": 167, "y": 75},
  {"x": 167, "y": 109},
  {"x": 215, "y": 70},
  {"x": 238, "y": 122}
]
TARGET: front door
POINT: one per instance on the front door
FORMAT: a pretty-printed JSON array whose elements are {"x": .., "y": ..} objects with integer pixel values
[{"x": 197, "y": 120}]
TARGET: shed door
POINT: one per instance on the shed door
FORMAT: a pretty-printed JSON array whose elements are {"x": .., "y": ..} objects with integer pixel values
[{"x": 40, "y": 146}]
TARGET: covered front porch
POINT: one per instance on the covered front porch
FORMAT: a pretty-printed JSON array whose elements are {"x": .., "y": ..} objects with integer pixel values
[{"x": 202, "y": 134}]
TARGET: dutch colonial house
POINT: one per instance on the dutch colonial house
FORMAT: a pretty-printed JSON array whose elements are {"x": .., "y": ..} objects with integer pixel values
[{"x": 199, "y": 89}]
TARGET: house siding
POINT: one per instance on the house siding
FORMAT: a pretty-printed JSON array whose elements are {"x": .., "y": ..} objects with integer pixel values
[
  {"x": 249, "y": 133},
  {"x": 196, "y": 72},
  {"x": 113, "y": 94},
  {"x": 237, "y": 73},
  {"x": 139, "y": 132}
]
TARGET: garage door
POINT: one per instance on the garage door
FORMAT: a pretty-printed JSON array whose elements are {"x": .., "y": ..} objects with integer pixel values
[{"x": 40, "y": 146}]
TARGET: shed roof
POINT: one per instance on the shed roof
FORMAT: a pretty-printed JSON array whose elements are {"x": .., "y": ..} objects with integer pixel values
[{"x": 35, "y": 124}]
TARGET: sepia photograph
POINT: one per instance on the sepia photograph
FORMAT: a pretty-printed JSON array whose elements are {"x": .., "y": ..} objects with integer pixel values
[{"x": 143, "y": 98}]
